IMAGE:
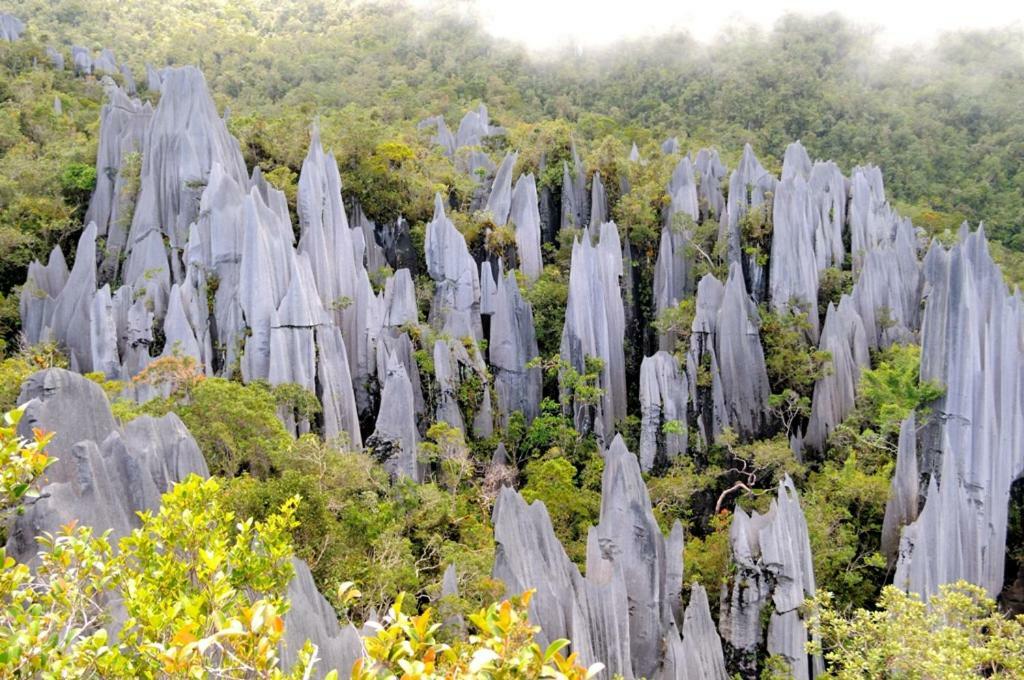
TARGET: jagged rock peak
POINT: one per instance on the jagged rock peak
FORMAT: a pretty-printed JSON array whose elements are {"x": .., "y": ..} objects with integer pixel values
[
  {"x": 512, "y": 346},
  {"x": 11, "y": 27},
  {"x": 456, "y": 306},
  {"x": 663, "y": 412},
  {"x": 793, "y": 278},
  {"x": 525, "y": 215},
  {"x": 184, "y": 140},
  {"x": 595, "y": 326},
  {"x": 971, "y": 343},
  {"x": 500, "y": 199}
]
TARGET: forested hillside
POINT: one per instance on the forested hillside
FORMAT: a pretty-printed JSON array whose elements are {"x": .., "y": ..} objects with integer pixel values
[{"x": 369, "y": 256}]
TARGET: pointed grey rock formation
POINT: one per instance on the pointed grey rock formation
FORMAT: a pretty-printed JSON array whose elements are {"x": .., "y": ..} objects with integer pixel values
[
  {"x": 71, "y": 322},
  {"x": 56, "y": 58},
  {"x": 499, "y": 201},
  {"x": 123, "y": 124},
  {"x": 628, "y": 544},
  {"x": 793, "y": 277},
  {"x": 103, "y": 475},
  {"x": 663, "y": 401},
  {"x": 311, "y": 617},
  {"x": 834, "y": 396},
  {"x": 575, "y": 201},
  {"x": 374, "y": 257},
  {"x": 711, "y": 172},
  {"x": 888, "y": 291},
  {"x": 105, "y": 62},
  {"x": 513, "y": 344},
  {"x": 525, "y": 215},
  {"x": 749, "y": 188},
  {"x": 669, "y": 146},
  {"x": 456, "y": 306},
  {"x": 598, "y": 201},
  {"x": 634, "y": 154},
  {"x": 395, "y": 441},
  {"x": 39, "y": 295},
  {"x": 702, "y": 362},
  {"x": 972, "y": 449},
  {"x": 336, "y": 262},
  {"x": 184, "y": 139},
  {"x": 594, "y": 616},
  {"x": 901, "y": 509},
  {"x": 701, "y": 648},
  {"x": 103, "y": 335},
  {"x": 11, "y": 27},
  {"x": 81, "y": 59},
  {"x": 595, "y": 327},
  {"x": 682, "y": 191},
  {"x": 740, "y": 359},
  {"x": 829, "y": 199},
  {"x": 772, "y": 556}
]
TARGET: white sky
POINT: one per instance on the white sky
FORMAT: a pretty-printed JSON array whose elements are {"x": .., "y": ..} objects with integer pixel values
[{"x": 542, "y": 24}]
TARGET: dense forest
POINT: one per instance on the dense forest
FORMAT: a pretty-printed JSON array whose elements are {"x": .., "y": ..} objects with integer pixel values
[{"x": 612, "y": 140}]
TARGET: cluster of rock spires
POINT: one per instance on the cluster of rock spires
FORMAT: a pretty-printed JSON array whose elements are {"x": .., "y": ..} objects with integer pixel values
[
  {"x": 202, "y": 261},
  {"x": 105, "y": 474},
  {"x": 627, "y": 612}
]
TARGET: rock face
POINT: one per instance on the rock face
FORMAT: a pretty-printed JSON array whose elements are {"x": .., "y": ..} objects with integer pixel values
[
  {"x": 663, "y": 413},
  {"x": 749, "y": 188},
  {"x": 627, "y": 611},
  {"x": 843, "y": 337},
  {"x": 11, "y": 27},
  {"x": 513, "y": 344},
  {"x": 395, "y": 440},
  {"x": 525, "y": 215},
  {"x": 575, "y": 200},
  {"x": 902, "y": 507},
  {"x": 456, "y": 306},
  {"x": 105, "y": 474},
  {"x": 794, "y": 270},
  {"x": 725, "y": 347},
  {"x": 595, "y": 327},
  {"x": 772, "y": 557},
  {"x": 971, "y": 344}
]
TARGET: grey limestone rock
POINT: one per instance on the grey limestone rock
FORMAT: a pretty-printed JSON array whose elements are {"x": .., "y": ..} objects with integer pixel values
[
  {"x": 103, "y": 475},
  {"x": 628, "y": 544},
  {"x": 595, "y": 327},
  {"x": 971, "y": 345},
  {"x": 901, "y": 508},
  {"x": 701, "y": 648},
  {"x": 525, "y": 215},
  {"x": 11, "y": 27},
  {"x": 456, "y": 305},
  {"x": 499, "y": 202},
  {"x": 311, "y": 617},
  {"x": 575, "y": 201},
  {"x": 395, "y": 440},
  {"x": 663, "y": 401},
  {"x": 185, "y": 137},
  {"x": 81, "y": 59},
  {"x": 793, "y": 277},
  {"x": 39, "y": 294},
  {"x": 740, "y": 359},
  {"x": 772, "y": 554},
  {"x": 749, "y": 188},
  {"x": 105, "y": 62},
  {"x": 123, "y": 124},
  {"x": 56, "y": 58},
  {"x": 843, "y": 337},
  {"x": 598, "y": 201},
  {"x": 594, "y": 616},
  {"x": 711, "y": 172},
  {"x": 72, "y": 309},
  {"x": 512, "y": 346}
]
